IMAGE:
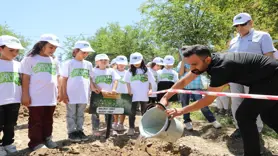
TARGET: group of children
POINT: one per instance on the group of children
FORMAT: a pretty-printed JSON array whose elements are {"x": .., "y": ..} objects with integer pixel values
[{"x": 38, "y": 83}]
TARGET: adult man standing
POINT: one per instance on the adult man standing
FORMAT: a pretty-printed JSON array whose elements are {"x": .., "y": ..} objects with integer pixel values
[
  {"x": 196, "y": 84},
  {"x": 256, "y": 71},
  {"x": 251, "y": 41}
]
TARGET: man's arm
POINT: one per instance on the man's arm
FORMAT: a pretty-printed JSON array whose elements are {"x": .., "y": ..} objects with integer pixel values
[
  {"x": 207, "y": 100},
  {"x": 179, "y": 85}
]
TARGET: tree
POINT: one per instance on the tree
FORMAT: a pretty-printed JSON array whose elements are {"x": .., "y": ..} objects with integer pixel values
[
  {"x": 5, "y": 30},
  {"x": 204, "y": 21},
  {"x": 115, "y": 40}
]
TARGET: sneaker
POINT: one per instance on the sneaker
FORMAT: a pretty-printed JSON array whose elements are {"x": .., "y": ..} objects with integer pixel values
[
  {"x": 236, "y": 134},
  {"x": 49, "y": 143},
  {"x": 188, "y": 126},
  {"x": 115, "y": 126},
  {"x": 216, "y": 124},
  {"x": 96, "y": 133},
  {"x": 131, "y": 131},
  {"x": 113, "y": 133},
  {"x": 10, "y": 148},
  {"x": 82, "y": 136},
  {"x": 3, "y": 151},
  {"x": 74, "y": 137},
  {"x": 121, "y": 127},
  {"x": 39, "y": 147}
]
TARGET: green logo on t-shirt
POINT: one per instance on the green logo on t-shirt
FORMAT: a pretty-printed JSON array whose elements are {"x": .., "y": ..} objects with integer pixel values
[
  {"x": 80, "y": 72},
  {"x": 168, "y": 76},
  {"x": 7, "y": 77},
  {"x": 140, "y": 77},
  {"x": 122, "y": 80},
  {"x": 103, "y": 79},
  {"x": 45, "y": 67}
]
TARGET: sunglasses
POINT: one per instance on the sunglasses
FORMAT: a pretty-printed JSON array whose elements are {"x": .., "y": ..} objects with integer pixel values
[{"x": 242, "y": 25}]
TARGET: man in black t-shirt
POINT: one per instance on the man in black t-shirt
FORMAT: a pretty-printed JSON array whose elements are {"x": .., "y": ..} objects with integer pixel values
[{"x": 258, "y": 72}]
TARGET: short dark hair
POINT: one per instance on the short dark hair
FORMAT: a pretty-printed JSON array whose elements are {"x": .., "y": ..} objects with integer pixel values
[
  {"x": 3, "y": 46},
  {"x": 183, "y": 48},
  {"x": 199, "y": 50}
]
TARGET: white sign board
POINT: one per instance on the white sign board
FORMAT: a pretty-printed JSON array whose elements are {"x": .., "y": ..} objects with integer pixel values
[{"x": 110, "y": 110}]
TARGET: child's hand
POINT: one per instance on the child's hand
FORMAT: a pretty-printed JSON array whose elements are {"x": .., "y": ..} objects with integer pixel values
[
  {"x": 66, "y": 99},
  {"x": 150, "y": 92},
  {"x": 130, "y": 93},
  {"x": 59, "y": 98},
  {"x": 114, "y": 92},
  {"x": 26, "y": 100},
  {"x": 96, "y": 90}
]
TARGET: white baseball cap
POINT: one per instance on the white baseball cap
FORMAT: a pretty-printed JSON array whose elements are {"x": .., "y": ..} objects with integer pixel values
[
  {"x": 50, "y": 38},
  {"x": 158, "y": 61},
  {"x": 113, "y": 61},
  {"x": 136, "y": 58},
  {"x": 10, "y": 42},
  {"x": 101, "y": 57},
  {"x": 121, "y": 59},
  {"x": 83, "y": 46},
  {"x": 241, "y": 18},
  {"x": 169, "y": 60}
]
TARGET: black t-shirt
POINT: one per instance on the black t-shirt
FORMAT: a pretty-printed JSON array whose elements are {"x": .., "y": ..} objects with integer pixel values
[{"x": 243, "y": 68}]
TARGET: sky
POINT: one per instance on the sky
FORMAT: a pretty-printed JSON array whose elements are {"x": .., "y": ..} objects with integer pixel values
[{"x": 31, "y": 18}]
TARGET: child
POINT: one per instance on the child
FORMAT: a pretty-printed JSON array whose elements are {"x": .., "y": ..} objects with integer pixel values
[
  {"x": 105, "y": 80},
  {"x": 76, "y": 75},
  {"x": 121, "y": 62},
  {"x": 113, "y": 64},
  {"x": 167, "y": 76},
  {"x": 156, "y": 65},
  {"x": 139, "y": 80},
  {"x": 10, "y": 86},
  {"x": 40, "y": 91}
]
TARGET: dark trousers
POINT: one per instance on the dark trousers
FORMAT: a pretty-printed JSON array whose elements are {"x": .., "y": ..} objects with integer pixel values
[
  {"x": 185, "y": 99},
  {"x": 248, "y": 111},
  {"x": 133, "y": 112},
  {"x": 40, "y": 124},
  {"x": 8, "y": 118}
]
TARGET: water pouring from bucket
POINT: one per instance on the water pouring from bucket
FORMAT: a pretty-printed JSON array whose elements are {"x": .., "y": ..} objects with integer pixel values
[{"x": 156, "y": 124}]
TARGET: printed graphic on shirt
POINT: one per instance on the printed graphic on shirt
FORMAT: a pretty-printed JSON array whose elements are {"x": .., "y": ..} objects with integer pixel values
[
  {"x": 80, "y": 72},
  {"x": 9, "y": 77},
  {"x": 140, "y": 77},
  {"x": 103, "y": 79},
  {"x": 168, "y": 76},
  {"x": 45, "y": 67},
  {"x": 122, "y": 80}
]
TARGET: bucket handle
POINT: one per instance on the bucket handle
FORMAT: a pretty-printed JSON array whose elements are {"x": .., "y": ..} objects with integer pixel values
[{"x": 153, "y": 105}]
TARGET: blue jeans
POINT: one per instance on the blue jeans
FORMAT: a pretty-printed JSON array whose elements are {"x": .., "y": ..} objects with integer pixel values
[{"x": 185, "y": 99}]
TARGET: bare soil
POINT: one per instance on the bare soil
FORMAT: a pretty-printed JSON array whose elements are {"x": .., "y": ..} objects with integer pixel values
[{"x": 203, "y": 141}]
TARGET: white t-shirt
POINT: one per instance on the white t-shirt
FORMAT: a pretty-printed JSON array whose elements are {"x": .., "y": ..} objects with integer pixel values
[
  {"x": 43, "y": 79},
  {"x": 105, "y": 78},
  {"x": 154, "y": 85},
  {"x": 78, "y": 84},
  {"x": 139, "y": 84},
  {"x": 122, "y": 87},
  {"x": 10, "y": 83},
  {"x": 167, "y": 75}
]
